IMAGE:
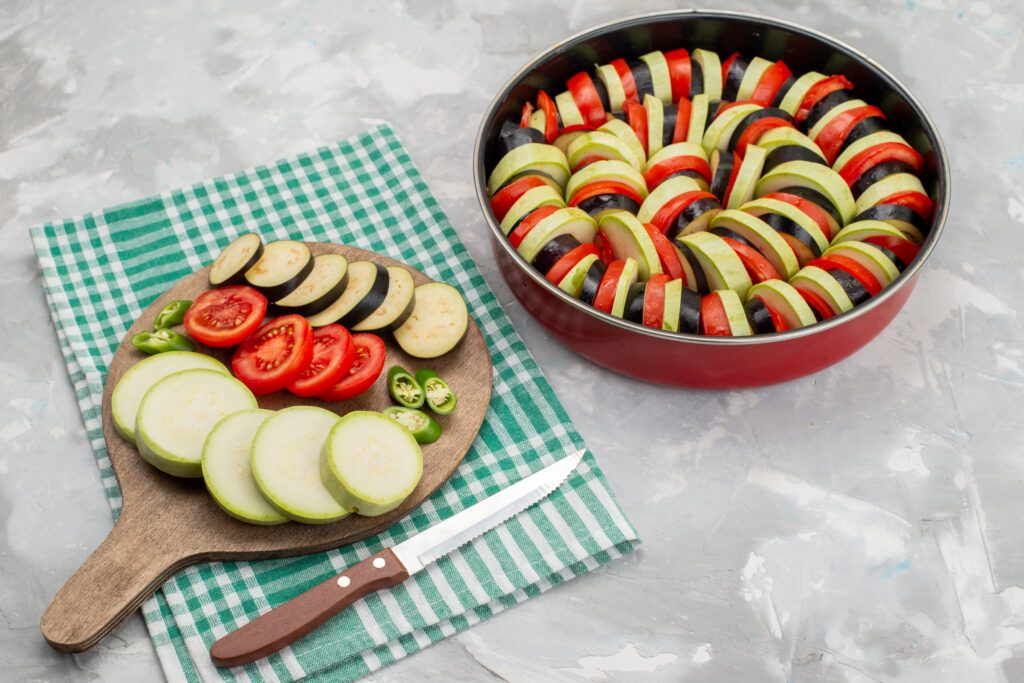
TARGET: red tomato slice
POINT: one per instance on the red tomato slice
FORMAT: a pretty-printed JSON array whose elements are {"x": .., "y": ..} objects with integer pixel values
[
  {"x": 817, "y": 303},
  {"x": 275, "y": 356},
  {"x": 679, "y": 75},
  {"x": 752, "y": 133},
  {"x": 682, "y": 128},
  {"x": 921, "y": 204},
  {"x": 605, "y": 296},
  {"x": 667, "y": 254},
  {"x": 654, "y": 299},
  {"x": 777, "y": 320},
  {"x": 713, "y": 320},
  {"x": 503, "y": 200},
  {"x": 736, "y": 163},
  {"x": 604, "y": 187},
  {"x": 830, "y": 139},
  {"x": 819, "y": 90},
  {"x": 673, "y": 207},
  {"x": 333, "y": 355},
  {"x": 771, "y": 80},
  {"x": 758, "y": 267},
  {"x": 904, "y": 249},
  {"x": 626, "y": 76},
  {"x": 851, "y": 268},
  {"x": 878, "y": 154},
  {"x": 637, "y": 117},
  {"x": 569, "y": 261},
  {"x": 604, "y": 250},
  {"x": 370, "y": 354},
  {"x": 516, "y": 237},
  {"x": 524, "y": 120},
  {"x": 225, "y": 316},
  {"x": 547, "y": 105},
  {"x": 813, "y": 211},
  {"x": 587, "y": 100},
  {"x": 660, "y": 172}
]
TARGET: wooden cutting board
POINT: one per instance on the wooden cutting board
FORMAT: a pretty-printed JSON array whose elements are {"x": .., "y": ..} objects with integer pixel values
[{"x": 168, "y": 523}]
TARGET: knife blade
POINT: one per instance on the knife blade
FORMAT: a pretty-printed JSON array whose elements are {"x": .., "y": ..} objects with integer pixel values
[{"x": 302, "y": 614}]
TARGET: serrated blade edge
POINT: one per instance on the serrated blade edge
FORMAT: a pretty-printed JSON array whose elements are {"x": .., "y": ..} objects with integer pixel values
[{"x": 444, "y": 537}]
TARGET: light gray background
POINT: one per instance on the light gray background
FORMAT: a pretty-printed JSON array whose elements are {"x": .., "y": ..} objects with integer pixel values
[{"x": 859, "y": 525}]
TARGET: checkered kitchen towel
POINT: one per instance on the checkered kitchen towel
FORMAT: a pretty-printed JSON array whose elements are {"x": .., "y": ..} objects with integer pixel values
[{"x": 102, "y": 269}]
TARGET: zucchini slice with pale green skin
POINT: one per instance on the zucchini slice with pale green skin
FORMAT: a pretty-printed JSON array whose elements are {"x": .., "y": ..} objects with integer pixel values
[
  {"x": 750, "y": 170},
  {"x": 719, "y": 133},
  {"x": 817, "y": 281},
  {"x": 568, "y": 221},
  {"x": 669, "y": 189},
  {"x": 736, "y": 314},
  {"x": 178, "y": 413},
  {"x": 437, "y": 324},
  {"x": 711, "y": 66},
  {"x": 615, "y": 171},
  {"x": 722, "y": 267},
  {"x": 626, "y": 237},
  {"x": 536, "y": 197},
  {"x": 889, "y": 185},
  {"x": 870, "y": 257},
  {"x": 572, "y": 283},
  {"x": 603, "y": 145},
  {"x": 285, "y": 460},
  {"x": 533, "y": 156},
  {"x": 627, "y": 279},
  {"x": 133, "y": 385},
  {"x": 762, "y": 236},
  {"x": 795, "y": 95},
  {"x": 227, "y": 470},
  {"x": 815, "y": 177},
  {"x": 782, "y": 298},
  {"x": 627, "y": 135},
  {"x": 698, "y": 119},
  {"x": 370, "y": 463},
  {"x": 862, "y": 230}
]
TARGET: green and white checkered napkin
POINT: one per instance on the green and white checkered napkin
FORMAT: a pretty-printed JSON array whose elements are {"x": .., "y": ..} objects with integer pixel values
[{"x": 102, "y": 269}]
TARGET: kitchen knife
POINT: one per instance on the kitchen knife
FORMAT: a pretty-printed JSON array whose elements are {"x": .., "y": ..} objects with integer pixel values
[{"x": 290, "y": 621}]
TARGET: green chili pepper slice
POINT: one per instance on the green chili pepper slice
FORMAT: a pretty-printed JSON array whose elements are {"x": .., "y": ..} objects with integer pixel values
[
  {"x": 172, "y": 314},
  {"x": 161, "y": 341},
  {"x": 439, "y": 396},
  {"x": 423, "y": 427},
  {"x": 404, "y": 388}
]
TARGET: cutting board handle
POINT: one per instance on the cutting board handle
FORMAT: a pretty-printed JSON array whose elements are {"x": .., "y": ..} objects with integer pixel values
[{"x": 124, "y": 570}]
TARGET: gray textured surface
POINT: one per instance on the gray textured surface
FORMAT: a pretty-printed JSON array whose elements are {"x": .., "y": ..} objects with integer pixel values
[{"x": 859, "y": 525}]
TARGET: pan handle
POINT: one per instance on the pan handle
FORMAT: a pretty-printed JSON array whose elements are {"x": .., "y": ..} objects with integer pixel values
[{"x": 127, "y": 567}]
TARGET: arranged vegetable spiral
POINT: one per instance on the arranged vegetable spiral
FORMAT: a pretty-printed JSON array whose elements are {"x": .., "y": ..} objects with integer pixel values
[{"x": 691, "y": 194}]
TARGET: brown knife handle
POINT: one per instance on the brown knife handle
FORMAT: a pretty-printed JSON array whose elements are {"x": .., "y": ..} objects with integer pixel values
[{"x": 290, "y": 621}]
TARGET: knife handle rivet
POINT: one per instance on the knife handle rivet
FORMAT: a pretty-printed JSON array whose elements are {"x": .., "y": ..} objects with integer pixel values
[
  {"x": 344, "y": 581},
  {"x": 379, "y": 563}
]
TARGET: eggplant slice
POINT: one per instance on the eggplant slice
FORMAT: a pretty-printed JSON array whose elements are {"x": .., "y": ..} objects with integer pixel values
[
  {"x": 281, "y": 269},
  {"x": 234, "y": 260},
  {"x": 397, "y": 305},
  {"x": 366, "y": 290},
  {"x": 321, "y": 287}
]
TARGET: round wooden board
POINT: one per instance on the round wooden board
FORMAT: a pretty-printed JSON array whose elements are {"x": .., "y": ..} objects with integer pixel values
[{"x": 167, "y": 523}]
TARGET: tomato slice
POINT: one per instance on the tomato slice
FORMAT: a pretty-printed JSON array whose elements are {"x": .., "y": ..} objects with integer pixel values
[
  {"x": 657, "y": 174},
  {"x": 676, "y": 205},
  {"x": 605, "y": 296},
  {"x": 225, "y": 316},
  {"x": 366, "y": 368},
  {"x": 569, "y": 261},
  {"x": 679, "y": 74},
  {"x": 506, "y": 197},
  {"x": 830, "y": 139},
  {"x": 921, "y": 204},
  {"x": 275, "y": 355},
  {"x": 604, "y": 250},
  {"x": 820, "y": 306},
  {"x": 654, "y": 300},
  {"x": 524, "y": 120},
  {"x": 637, "y": 117},
  {"x": 872, "y": 156},
  {"x": 516, "y": 237},
  {"x": 813, "y": 211},
  {"x": 682, "y": 128},
  {"x": 713, "y": 320},
  {"x": 736, "y": 163},
  {"x": 771, "y": 80},
  {"x": 587, "y": 100},
  {"x": 904, "y": 249},
  {"x": 758, "y": 267},
  {"x": 547, "y": 105},
  {"x": 626, "y": 76},
  {"x": 851, "y": 268},
  {"x": 333, "y": 355},
  {"x": 752, "y": 133},
  {"x": 604, "y": 187},
  {"x": 819, "y": 90},
  {"x": 667, "y": 254},
  {"x": 777, "y": 320}
]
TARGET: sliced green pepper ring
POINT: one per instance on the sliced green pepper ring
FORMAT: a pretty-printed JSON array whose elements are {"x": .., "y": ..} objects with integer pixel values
[
  {"x": 171, "y": 315},
  {"x": 404, "y": 388},
  {"x": 161, "y": 341},
  {"x": 423, "y": 427},
  {"x": 439, "y": 396}
]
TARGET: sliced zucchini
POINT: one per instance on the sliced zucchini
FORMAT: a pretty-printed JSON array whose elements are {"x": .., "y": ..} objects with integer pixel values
[
  {"x": 783, "y": 154},
  {"x": 178, "y": 412},
  {"x": 722, "y": 267},
  {"x": 809, "y": 234},
  {"x": 711, "y": 68},
  {"x": 567, "y": 110},
  {"x": 567, "y": 221},
  {"x": 139, "y": 378},
  {"x": 784, "y": 136},
  {"x": 615, "y": 171},
  {"x": 321, "y": 288},
  {"x": 437, "y": 324},
  {"x": 626, "y": 237},
  {"x": 782, "y": 298},
  {"x": 673, "y": 187},
  {"x": 819, "y": 282},
  {"x": 673, "y": 299},
  {"x": 886, "y": 187},
  {"x": 698, "y": 119},
  {"x": 397, "y": 305},
  {"x": 720, "y": 131},
  {"x": 655, "y": 109},
  {"x": 602, "y": 145},
  {"x": 227, "y": 469},
  {"x": 234, "y": 260},
  {"x": 281, "y": 269},
  {"x": 613, "y": 85},
  {"x": 870, "y": 257},
  {"x": 627, "y": 135},
  {"x": 861, "y": 230},
  {"x": 751, "y": 77},
  {"x": 795, "y": 94},
  {"x": 370, "y": 463},
  {"x": 749, "y": 173},
  {"x": 814, "y": 176},
  {"x": 627, "y": 279},
  {"x": 867, "y": 142},
  {"x": 367, "y": 288},
  {"x": 537, "y": 157},
  {"x": 285, "y": 462},
  {"x": 660, "y": 80},
  {"x": 572, "y": 283},
  {"x": 761, "y": 235},
  {"x": 831, "y": 114},
  {"x": 678, "y": 149},
  {"x": 902, "y": 218},
  {"x": 735, "y": 313},
  {"x": 533, "y": 198}
]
